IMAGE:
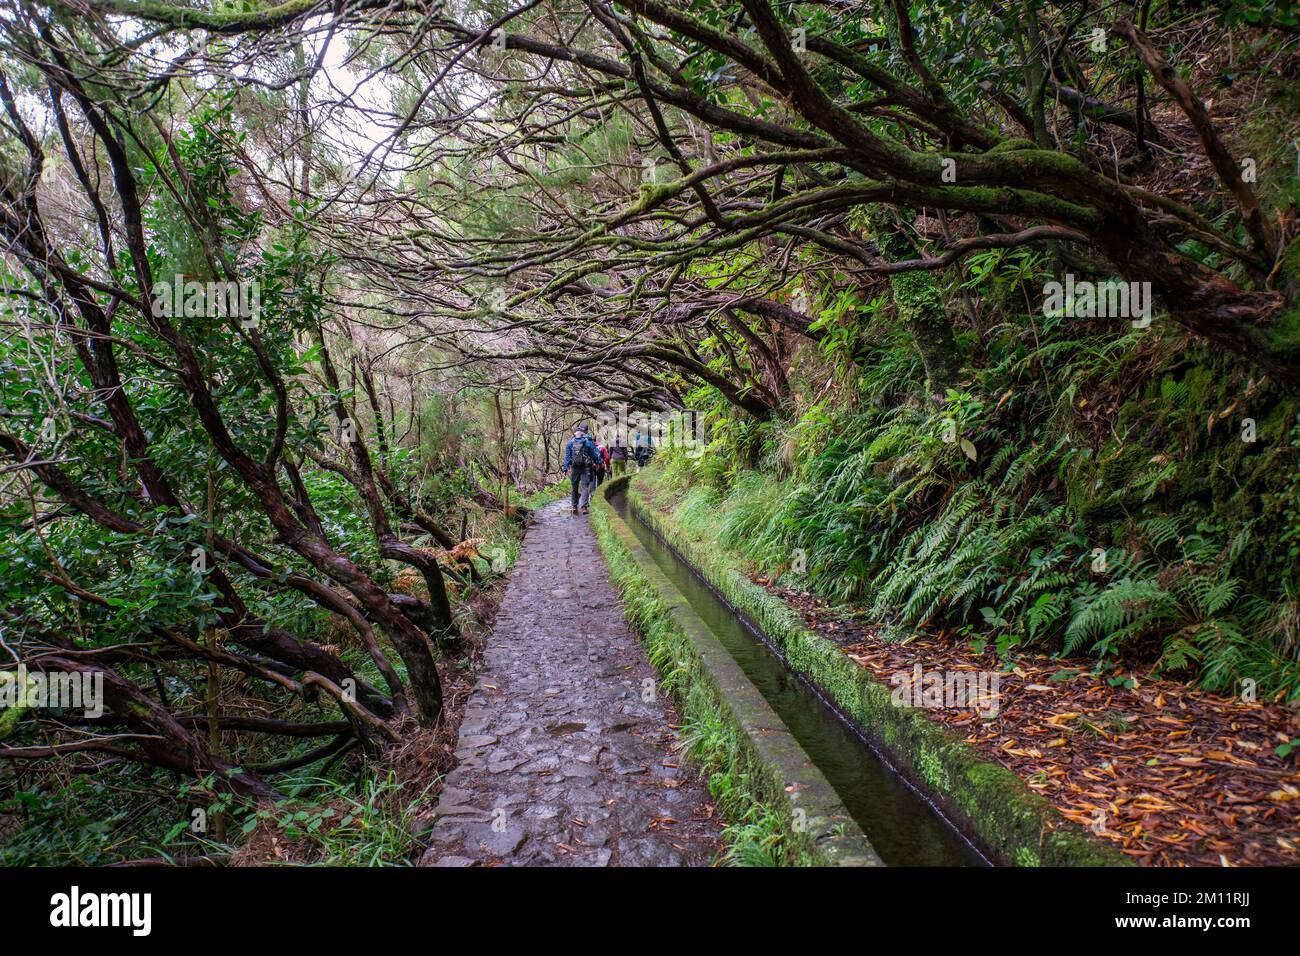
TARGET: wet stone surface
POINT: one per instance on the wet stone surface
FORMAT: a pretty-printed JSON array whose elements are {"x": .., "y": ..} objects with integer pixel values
[{"x": 566, "y": 751}]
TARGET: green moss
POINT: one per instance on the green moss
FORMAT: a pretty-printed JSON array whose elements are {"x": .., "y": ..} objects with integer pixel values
[
  {"x": 917, "y": 297},
  {"x": 233, "y": 20},
  {"x": 933, "y": 769},
  {"x": 1291, "y": 259},
  {"x": 1027, "y": 857},
  {"x": 1011, "y": 145},
  {"x": 1284, "y": 333}
]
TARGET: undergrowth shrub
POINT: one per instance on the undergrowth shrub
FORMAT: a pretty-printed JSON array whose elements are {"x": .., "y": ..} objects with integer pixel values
[{"x": 1088, "y": 490}]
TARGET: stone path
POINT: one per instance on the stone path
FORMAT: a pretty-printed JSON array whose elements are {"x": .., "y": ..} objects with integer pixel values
[{"x": 562, "y": 761}]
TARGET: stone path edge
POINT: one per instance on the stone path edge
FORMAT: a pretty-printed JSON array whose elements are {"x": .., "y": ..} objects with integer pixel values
[
  {"x": 780, "y": 774},
  {"x": 1011, "y": 824}
]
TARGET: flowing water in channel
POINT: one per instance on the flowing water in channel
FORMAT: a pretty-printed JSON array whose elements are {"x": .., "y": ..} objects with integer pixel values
[{"x": 902, "y": 825}]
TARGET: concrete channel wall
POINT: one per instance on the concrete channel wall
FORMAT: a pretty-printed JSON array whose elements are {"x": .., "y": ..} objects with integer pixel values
[
  {"x": 767, "y": 760},
  {"x": 1010, "y": 823}
]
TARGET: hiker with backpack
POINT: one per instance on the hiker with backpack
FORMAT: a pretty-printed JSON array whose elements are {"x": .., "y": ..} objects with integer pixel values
[
  {"x": 643, "y": 451},
  {"x": 602, "y": 469},
  {"x": 580, "y": 459}
]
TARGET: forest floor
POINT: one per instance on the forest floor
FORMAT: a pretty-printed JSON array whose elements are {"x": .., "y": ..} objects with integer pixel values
[
  {"x": 410, "y": 776},
  {"x": 567, "y": 753},
  {"x": 1171, "y": 775}
]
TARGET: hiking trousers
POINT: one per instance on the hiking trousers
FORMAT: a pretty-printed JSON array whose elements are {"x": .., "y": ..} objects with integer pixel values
[{"x": 581, "y": 486}]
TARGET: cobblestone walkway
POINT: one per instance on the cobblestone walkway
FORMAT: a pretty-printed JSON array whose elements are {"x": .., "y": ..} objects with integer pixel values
[{"x": 562, "y": 761}]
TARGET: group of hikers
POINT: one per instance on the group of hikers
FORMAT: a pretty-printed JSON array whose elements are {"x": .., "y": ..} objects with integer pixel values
[{"x": 587, "y": 462}]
